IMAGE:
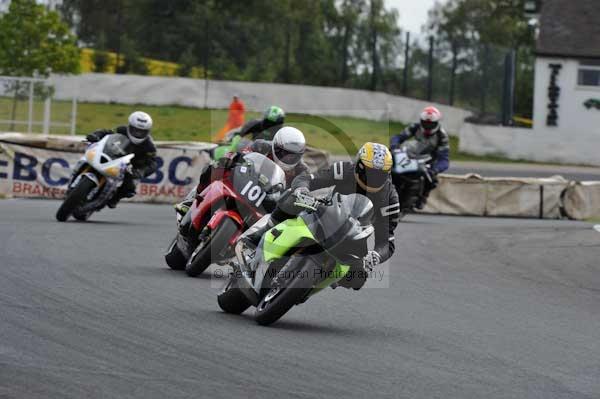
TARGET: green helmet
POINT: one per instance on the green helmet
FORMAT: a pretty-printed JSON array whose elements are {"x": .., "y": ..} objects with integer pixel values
[{"x": 274, "y": 115}]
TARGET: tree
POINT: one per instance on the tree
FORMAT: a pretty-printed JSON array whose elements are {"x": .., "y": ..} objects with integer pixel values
[
  {"x": 350, "y": 13},
  {"x": 132, "y": 61},
  {"x": 473, "y": 37},
  {"x": 34, "y": 41},
  {"x": 378, "y": 41},
  {"x": 187, "y": 61},
  {"x": 100, "y": 58}
]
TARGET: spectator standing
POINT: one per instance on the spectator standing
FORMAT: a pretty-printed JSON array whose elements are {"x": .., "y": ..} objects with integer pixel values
[{"x": 235, "y": 118}]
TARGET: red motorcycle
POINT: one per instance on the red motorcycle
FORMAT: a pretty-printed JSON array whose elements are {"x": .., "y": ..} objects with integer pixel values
[{"x": 234, "y": 201}]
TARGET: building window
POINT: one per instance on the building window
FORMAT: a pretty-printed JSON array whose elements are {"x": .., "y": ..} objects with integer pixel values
[{"x": 589, "y": 74}]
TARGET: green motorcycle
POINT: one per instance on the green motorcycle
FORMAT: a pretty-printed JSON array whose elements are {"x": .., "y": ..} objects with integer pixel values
[{"x": 300, "y": 257}]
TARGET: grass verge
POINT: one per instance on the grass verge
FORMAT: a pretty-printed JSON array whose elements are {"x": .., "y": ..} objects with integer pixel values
[{"x": 339, "y": 135}]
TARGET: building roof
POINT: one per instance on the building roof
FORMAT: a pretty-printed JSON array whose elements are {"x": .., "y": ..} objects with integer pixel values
[{"x": 570, "y": 28}]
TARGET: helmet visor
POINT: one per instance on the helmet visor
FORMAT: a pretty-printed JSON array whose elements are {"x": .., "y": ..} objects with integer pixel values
[
  {"x": 138, "y": 133},
  {"x": 429, "y": 125},
  {"x": 287, "y": 157},
  {"x": 374, "y": 179}
]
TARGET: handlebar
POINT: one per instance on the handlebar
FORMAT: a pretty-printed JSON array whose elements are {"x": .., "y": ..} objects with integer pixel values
[{"x": 309, "y": 202}]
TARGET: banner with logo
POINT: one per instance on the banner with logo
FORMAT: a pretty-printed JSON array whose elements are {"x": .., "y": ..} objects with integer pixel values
[{"x": 33, "y": 172}]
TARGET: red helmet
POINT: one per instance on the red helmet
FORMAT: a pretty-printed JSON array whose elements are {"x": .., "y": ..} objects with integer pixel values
[{"x": 430, "y": 120}]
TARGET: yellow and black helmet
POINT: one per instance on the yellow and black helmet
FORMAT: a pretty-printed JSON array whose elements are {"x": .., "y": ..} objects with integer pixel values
[{"x": 373, "y": 166}]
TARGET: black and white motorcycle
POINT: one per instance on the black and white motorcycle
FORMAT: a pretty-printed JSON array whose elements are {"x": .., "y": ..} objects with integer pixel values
[
  {"x": 96, "y": 177},
  {"x": 409, "y": 175}
]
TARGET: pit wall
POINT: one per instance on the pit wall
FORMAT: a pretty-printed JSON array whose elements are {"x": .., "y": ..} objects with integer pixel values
[
  {"x": 33, "y": 166},
  {"x": 314, "y": 100}
]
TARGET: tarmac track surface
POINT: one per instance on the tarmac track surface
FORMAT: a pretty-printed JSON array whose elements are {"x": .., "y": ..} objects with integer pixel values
[{"x": 475, "y": 308}]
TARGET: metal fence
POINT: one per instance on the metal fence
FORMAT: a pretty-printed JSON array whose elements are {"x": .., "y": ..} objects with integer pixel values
[
  {"x": 26, "y": 106},
  {"x": 495, "y": 83}
]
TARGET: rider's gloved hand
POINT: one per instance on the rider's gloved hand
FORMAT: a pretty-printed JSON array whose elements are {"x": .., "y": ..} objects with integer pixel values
[
  {"x": 304, "y": 198},
  {"x": 371, "y": 260},
  {"x": 227, "y": 161},
  {"x": 301, "y": 192},
  {"x": 92, "y": 138},
  {"x": 133, "y": 172}
]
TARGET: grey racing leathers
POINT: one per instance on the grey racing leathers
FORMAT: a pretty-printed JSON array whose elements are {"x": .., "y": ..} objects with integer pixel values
[{"x": 340, "y": 175}]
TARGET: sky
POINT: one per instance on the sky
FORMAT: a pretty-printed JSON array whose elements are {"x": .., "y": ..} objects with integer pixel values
[{"x": 413, "y": 13}]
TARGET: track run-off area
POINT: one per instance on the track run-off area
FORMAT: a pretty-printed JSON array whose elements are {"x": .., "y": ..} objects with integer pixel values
[{"x": 468, "y": 308}]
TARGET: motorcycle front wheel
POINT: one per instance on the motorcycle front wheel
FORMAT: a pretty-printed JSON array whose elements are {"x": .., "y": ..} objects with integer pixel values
[
  {"x": 76, "y": 197},
  {"x": 174, "y": 257},
  {"x": 281, "y": 298},
  {"x": 207, "y": 252}
]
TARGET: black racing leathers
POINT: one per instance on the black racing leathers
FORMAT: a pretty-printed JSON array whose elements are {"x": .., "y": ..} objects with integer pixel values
[
  {"x": 341, "y": 176},
  {"x": 260, "y": 129},
  {"x": 144, "y": 163}
]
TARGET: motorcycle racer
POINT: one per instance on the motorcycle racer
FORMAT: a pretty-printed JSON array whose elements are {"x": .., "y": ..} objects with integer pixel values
[
  {"x": 144, "y": 163},
  {"x": 429, "y": 139},
  {"x": 286, "y": 150},
  {"x": 369, "y": 175},
  {"x": 265, "y": 128}
]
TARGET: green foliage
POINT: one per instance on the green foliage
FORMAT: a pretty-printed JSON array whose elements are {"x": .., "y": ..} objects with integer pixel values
[
  {"x": 100, "y": 58},
  {"x": 132, "y": 61},
  {"x": 320, "y": 42},
  {"x": 472, "y": 39},
  {"x": 34, "y": 40},
  {"x": 187, "y": 61}
]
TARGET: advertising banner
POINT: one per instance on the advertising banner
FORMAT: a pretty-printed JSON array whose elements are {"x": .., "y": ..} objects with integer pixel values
[{"x": 32, "y": 172}]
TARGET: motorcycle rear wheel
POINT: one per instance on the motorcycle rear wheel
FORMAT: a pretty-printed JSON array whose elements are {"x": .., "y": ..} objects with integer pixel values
[
  {"x": 208, "y": 250},
  {"x": 75, "y": 198}
]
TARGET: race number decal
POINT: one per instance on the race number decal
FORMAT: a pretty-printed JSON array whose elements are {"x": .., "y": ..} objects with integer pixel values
[{"x": 254, "y": 193}]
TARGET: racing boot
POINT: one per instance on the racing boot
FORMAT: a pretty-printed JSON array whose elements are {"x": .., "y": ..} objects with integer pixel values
[
  {"x": 182, "y": 208},
  {"x": 112, "y": 203},
  {"x": 254, "y": 234}
]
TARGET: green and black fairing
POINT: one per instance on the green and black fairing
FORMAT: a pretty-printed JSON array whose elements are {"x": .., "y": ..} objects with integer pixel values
[{"x": 334, "y": 237}]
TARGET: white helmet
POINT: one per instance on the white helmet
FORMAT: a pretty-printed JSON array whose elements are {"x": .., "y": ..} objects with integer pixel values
[
  {"x": 430, "y": 120},
  {"x": 140, "y": 124},
  {"x": 288, "y": 147}
]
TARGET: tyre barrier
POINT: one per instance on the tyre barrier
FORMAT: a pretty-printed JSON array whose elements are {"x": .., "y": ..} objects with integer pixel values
[
  {"x": 506, "y": 197},
  {"x": 33, "y": 166}
]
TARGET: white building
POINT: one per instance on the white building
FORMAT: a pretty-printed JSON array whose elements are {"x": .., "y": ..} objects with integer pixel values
[
  {"x": 567, "y": 78},
  {"x": 566, "y": 112}
]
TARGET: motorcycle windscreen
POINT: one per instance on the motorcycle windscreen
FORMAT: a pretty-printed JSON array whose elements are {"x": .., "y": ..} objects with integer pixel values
[
  {"x": 335, "y": 226},
  {"x": 116, "y": 146},
  {"x": 257, "y": 180}
]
